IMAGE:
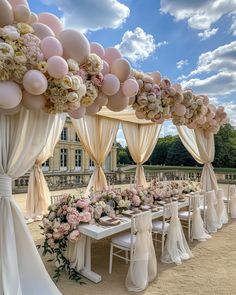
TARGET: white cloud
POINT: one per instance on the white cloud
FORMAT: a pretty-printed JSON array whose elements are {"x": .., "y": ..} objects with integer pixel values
[
  {"x": 207, "y": 33},
  {"x": 232, "y": 29},
  {"x": 168, "y": 128},
  {"x": 181, "y": 63},
  {"x": 230, "y": 108},
  {"x": 199, "y": 14},
  {"x": 137, "y": 45},
  {"x": 120, "y": 137},
  {"x": 160, "y": 44},
  {"x": 220, "y": 84},
  {"x": 91, "y": 15}
]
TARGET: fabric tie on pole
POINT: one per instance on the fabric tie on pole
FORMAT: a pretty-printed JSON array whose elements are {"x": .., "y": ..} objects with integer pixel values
[{"x": 5, "y": 185}]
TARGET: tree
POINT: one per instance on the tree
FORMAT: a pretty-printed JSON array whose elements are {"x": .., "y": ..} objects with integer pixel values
[
  {"x": 178, "y": 155},
  {"x": 225, "y": 147}
]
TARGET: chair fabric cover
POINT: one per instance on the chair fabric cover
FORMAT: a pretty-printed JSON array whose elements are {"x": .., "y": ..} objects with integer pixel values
[
  {"x": 176, "y": 247},
  {"x": 212, "y": 224},
  {"x": 232, "y": 198},
  {"x": 141, "y": 141},
  {"x": 198, "y": 229},
  {"x": 221, "y": 209},
  {"x": 23, "y": 137},
  {"x": 143, "y": 267}
]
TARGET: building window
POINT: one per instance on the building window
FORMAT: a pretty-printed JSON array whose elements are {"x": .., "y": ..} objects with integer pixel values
[
  {"x": 76, "y": 137},
  {"x": 78, "y": 159},
  {"x": 91, "y": 164},
  {"x": 45, "y": 165},
  {"x": 64, "y": 134},
  {"x": 64, "y": 157}
]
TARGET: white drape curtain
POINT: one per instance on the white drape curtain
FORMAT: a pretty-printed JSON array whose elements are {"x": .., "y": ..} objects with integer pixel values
[
  {"x": 141, "y": 141},
  {"x": 202, "y": 149},
  {"x": 23, "y": 137},
  {"x": 221, "y": 208},
  {"x": 212, "y": 224},
  {"x": 232, "y": 200},
  {"x": 97, "y": 135},
  {"x": 37, "y": 201},
  {"x": 143, "y": 266}
]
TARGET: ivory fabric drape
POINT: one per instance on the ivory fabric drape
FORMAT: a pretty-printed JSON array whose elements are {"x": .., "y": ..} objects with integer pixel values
[
  {"x": 37, "y": 201},
  {"x": 23, "y": 137},
  {"x": 97, "y": 135},
  {"x": 141, "y": 141},
  {"x": 202, "y": 149},
  {"x": 143, "y": 266}
]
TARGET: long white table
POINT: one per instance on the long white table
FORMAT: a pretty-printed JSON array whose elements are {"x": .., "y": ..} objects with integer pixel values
[{"x": 98, "y": 232}]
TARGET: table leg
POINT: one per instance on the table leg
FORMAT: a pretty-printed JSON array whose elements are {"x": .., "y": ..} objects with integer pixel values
[{"x": 86, "y": 271}]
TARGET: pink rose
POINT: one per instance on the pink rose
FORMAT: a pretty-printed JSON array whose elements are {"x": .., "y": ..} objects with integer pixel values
[
  {"x": 85, "y": 216},
  {"x": 156, "y": 89},
  {"x": 74, "y": 235},
  {"x": 73, "y": 217},
  {"x": 97, "y": 79},
  {"x": 136, "y": 200},
  {"x": 82, "y": 204},
  {"x": 165, "y": 83}
]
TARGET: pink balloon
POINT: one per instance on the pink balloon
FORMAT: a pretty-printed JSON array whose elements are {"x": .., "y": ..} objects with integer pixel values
[
  {"x": 156, "y": 77},
  {"x": 205, "y": 100},
  {"x": 52, "y": 21},
  {"x": 201, "y": 120},
  {"x": 75, "y": 45},
  {"x": 98, "y": 49},
  {"x": 213, "y": 122},
  {"x": 21, "y": 13},
  {"x": 117, "y": 102},
  {"x": 210, "y": 115},
  {"x": 110, "y": 85},
  {"x": 51, "y": 46},
  {"x": 33, "y": 18},
  {"x": 212, "y": 107},
  {"x": 42, "y": 31},
  {"x": 57, "y": 67},
  {"x": 79, "y": 113},
  {"x": 177, "y": 87},
  {"x": 180, "y": 110},
  {"x": 35, "y": 82},
  {"x": 101, "y": 100},
  {"x": 192, "y": 125},
  {"x": 10, "y": 94},
  {"x": 111, "y": 54},
  {"x": 33, "y": 102},
  {"x": 106, "y": 68},
  {"x": 14, "y": 3},
  {"x": 6, "y": 13},
  {"x": 130, "y": 87},
  {"x": 132, "y": 100},
  {"x": 12, "y": 111},
  {"x": 92, "y": 109},
  {"x": 121, "y": 68}
]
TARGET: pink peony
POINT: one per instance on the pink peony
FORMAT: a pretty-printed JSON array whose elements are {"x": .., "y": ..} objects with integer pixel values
[
  {"x": 74, "y": 235},
  {"x": 136, "y": 200},
  {"x": 97, "y": 80},
  {"x": 82, "y": 204},
  {"x": 73, "y": 217},
  {"x": 85, "y": 216}
]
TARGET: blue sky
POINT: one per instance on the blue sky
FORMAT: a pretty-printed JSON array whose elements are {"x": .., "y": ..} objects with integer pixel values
[{"x": 191, "y": 42}]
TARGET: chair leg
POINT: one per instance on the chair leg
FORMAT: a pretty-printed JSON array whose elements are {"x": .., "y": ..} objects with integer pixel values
[
  {"x": 189, "y": 230},
  {"x": 162, "y": 243},
  {"x": 111, "y": 258},
  {"x": 126, "y": 257}
]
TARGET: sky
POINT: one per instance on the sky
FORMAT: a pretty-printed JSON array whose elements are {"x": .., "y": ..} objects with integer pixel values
[{"x": 190, "y": 42}]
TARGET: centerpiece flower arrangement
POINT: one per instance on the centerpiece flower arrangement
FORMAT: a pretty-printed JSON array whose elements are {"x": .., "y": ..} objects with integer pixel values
[{"x": 60, "y": 226}]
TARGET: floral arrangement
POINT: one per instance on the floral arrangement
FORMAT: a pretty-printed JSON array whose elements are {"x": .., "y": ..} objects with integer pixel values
[
  {"x": 60, "y": 226},
  {"x": 44, "y": 66}
]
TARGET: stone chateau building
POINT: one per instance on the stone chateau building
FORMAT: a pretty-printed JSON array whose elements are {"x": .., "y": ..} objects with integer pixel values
[{"x": 69, "y": 155}]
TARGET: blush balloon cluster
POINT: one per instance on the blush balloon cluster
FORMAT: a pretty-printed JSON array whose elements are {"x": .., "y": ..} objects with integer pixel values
[{"x": 44, "y": 66}]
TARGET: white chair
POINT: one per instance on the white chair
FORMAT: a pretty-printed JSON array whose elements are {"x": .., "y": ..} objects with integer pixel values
[
  {"x": 176, "y": 247},
  {"x": 212, "y": 224},
  {"x": 56, "y": 198},
  {"x": 221, "y": 209},
  {"x": 232, "y": 201},
  {"x": 185, "y": 216},
  {"x": 160, "y": 227},
  {"x": 125, "y": 242}
]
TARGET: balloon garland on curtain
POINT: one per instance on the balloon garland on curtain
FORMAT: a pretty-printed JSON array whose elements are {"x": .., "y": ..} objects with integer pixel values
[{"x": 44, "y": 66}]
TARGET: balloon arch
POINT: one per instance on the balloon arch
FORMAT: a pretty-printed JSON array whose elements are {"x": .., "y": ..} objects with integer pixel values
[{"x": 44, "y": 66}]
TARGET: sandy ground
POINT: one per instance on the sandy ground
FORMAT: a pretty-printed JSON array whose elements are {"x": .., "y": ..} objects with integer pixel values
[{"x": 212, "y": 270}]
